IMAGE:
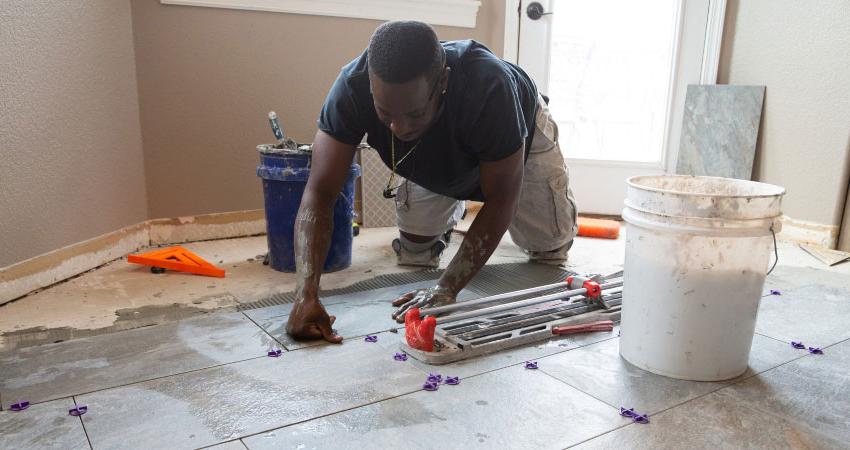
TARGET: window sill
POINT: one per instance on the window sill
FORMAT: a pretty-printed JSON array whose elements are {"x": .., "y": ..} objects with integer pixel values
[{"x": 456, "y": 13}]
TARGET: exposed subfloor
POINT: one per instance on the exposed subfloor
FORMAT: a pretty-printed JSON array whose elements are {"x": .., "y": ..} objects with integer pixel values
[{"x": 167, "y": 361}]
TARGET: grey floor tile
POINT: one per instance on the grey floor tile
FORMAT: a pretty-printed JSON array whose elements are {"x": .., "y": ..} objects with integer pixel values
[
  {"x": 767, "y": 353},
  {"x": 502, "y": 359},
  {"x": 232, "y": 445},
  {"x": 382, "y": 295},
  {"x": 511, "y": 408},
  {"x": 799, "y": 405},
  {"x": 83, "y": 365},
  {"x": 357, "y": 314},
  {"x": 45, "y": 425},
  {"x": 226, "y": 402},
  {"x": 600, "y": 371},
  {"x": 814, "y": 307}
]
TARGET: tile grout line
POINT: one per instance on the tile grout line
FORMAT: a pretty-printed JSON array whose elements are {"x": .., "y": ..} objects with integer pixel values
[
  {"x": 321, "y": 416},
  {"x": 78, "y": 394},
  {"x": 600, "y": 435},
  {"x": 264, "y": 331},
  {"x": 771, "y": 337},
  {"x": 386, "y": 399},
  {"x": 730, "y": 384},
  {"x": 578, "y": 389},
  {"x": 83, "y": 424}
]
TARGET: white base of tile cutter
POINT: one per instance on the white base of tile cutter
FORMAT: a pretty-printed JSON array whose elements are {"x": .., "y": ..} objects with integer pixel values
[{"x": 482, "y": 335}]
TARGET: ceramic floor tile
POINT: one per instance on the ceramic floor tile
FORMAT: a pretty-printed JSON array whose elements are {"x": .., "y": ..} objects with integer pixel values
[
  {"x": 223, "y": 403},
  {"x": 357, "y": 314},
  {"x": 98, "y": 362},
  {"x": 42, "y": 426},
  {"x": 814, "y": 308},
  {"x": 600, "y": 371},
  {"x": 800, "y": 405},
  {"x": 502, "y": 359},
  {"x": 511, "y": 408},
  {"x": 232, "y": 445}
]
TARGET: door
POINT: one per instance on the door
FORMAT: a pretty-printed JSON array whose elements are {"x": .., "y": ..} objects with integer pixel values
[{"x": 616, "y": 72}]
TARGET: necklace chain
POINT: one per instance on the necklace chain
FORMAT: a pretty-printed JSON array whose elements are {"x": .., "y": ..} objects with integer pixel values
[{"x": 395, "y": 164}]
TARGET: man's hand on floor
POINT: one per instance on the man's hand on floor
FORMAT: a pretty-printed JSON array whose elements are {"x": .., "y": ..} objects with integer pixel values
[
  {"x": 310, "y": 321},
  {"x": 434, "y": 296}
]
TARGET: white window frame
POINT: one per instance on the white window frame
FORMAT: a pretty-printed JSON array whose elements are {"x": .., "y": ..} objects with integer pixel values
[
  {"x": 455, "y": 13},
  {"x": 709, "y": 35}
]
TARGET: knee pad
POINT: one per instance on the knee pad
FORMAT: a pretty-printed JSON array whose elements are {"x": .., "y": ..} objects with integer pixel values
[{"x": 424, "y": 254}]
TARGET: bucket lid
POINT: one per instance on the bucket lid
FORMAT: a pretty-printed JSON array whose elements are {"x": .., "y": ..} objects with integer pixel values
[
  {"x": 286, "y": 147},
  {"x": 706, "y": 197}
]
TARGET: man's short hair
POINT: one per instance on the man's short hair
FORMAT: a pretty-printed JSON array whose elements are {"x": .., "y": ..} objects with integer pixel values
[{"x": 400, "y": 51}]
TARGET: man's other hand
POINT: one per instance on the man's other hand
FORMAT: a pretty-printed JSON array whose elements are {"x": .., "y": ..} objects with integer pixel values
[{"x": 434, "y": 296}]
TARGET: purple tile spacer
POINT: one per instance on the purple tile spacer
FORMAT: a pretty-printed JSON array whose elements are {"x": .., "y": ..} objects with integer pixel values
[
  {"x": 640, "y": 418},
  {"x": 775, "y": 292},
  {"x": 531, "y": 364},
  {"x": 430, "y": 386},
  {"x": 452, "y": 381},
  {"x": 78, "y": 411},
  {"x": 636, "y": 417},
  {"x": 798, "y": 345},
  {"x": 20, "y": 406},
  {"x": 815, "y": 351},
  {"x": 434, "y": 378},
  {"x": 275, "y": 353},
  {"x": 371, "y": 338},
  {"x": 400, "y": 357}
]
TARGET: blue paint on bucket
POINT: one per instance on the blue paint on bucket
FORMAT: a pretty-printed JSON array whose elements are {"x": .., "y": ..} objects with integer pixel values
[{"x": 284, "y": 176}]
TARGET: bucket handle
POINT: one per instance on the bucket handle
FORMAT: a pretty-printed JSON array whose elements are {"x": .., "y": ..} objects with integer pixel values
[{"x": 775, "y": 250}]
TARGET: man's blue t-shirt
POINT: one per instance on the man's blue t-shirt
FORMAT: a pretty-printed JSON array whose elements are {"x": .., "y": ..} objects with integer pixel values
[{"x": 486, "y": 114}]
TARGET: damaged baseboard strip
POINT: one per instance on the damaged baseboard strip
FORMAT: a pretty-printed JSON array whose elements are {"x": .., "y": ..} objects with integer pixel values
[
  {"x": 803, "y": 232},
  {"x": 20, "y": 279}
]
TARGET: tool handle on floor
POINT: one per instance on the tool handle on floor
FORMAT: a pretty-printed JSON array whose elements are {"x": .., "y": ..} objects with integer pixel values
[{"x": 602, "y": 325}]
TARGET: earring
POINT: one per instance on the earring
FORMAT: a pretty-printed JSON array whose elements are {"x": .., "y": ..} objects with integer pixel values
[{"x": 444, "y": 92}]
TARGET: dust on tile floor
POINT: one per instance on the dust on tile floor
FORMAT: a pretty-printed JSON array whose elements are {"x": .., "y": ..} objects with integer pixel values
[{"x": 195, "y": 380}]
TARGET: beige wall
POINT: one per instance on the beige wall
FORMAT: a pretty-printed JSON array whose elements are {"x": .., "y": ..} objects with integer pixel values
[
  {"x": 71, "y": 166},
  {"x": 801, "y": 52},
  {"x": 208, "y": 77}
]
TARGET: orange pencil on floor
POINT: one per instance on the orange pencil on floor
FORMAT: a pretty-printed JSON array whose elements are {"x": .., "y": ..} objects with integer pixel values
[{"x": 598, "y": 228}]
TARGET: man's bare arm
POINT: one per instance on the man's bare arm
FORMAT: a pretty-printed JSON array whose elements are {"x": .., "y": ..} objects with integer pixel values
[
  {"x": 501, "y": 182},
  {"x": 330, "y": 165}
]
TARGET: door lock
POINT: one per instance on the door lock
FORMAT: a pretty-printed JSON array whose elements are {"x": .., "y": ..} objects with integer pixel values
[{"x": 535, "y": 11}]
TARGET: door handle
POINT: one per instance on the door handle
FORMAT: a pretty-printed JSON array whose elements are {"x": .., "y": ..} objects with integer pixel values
[{"x": 535, "y": 11}]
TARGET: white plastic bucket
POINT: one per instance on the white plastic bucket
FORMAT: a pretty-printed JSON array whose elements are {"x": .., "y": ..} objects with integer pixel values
[{"x": 697, "y": 252}]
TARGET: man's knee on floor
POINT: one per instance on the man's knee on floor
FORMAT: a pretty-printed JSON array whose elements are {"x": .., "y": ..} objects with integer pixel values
[{"x": 419, "y": 250}]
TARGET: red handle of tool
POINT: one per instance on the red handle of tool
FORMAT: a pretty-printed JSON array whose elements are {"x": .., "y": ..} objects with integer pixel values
[
  {"x": 602, "y": 325},
  {"x": 592, "y": 287}
]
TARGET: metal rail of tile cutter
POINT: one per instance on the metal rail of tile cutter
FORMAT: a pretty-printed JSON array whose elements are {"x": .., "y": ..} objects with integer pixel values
[{"x": 516, "y": 320}]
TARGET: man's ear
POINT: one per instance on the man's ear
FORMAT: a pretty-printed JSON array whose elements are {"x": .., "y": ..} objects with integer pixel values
[{"x": 444, "y": 83}]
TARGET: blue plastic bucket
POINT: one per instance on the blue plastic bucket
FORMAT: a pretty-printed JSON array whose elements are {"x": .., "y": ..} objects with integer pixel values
[{"x": 284, "y": 175}]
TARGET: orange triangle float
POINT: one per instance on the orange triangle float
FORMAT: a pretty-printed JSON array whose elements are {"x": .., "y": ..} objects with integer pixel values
[{"x": 179, "y": 259}]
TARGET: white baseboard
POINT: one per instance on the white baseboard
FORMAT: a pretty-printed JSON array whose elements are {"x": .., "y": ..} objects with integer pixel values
[
  {"x": 24, "y": 277},
  {"x": 809, "y": 232}
]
